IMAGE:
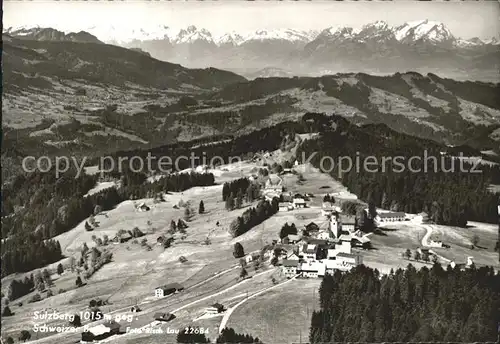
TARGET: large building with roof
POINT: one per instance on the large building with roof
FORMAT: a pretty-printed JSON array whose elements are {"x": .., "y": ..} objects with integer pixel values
[{"x": 168, "y": 289}]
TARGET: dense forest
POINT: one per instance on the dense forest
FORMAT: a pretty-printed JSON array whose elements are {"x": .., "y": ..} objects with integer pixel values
[
  {"x": 253, "y": 216},
  {"x": 449, "y": 195},
  {"x": 235, "y": 187},
  {"x": 408, "y": 305}
]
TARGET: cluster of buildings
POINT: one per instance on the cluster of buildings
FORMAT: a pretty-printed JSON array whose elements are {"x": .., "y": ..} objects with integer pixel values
[
  {"x": 323, "y": 251},
  {"x": 274, "y": 188}
]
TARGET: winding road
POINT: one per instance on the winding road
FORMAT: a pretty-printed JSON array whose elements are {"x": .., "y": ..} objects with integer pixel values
[{"x": 425, "y": 242}]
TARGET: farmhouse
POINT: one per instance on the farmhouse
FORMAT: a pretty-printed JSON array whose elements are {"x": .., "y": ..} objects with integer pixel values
[
  {"x": 463, "y": 266},
  {"x": 299, "y": 202},
  {"x": 346, "y": 261},
  {"x": 252, "y": 256},
  {"x": 143, "y": 207},
  {"x": 290, "y": 267},
  {"x": 101, "y": 331},
  {"x": 435, "y": 243},
  {"x": 360, "y": 240},
  {"x": 168, "y": 289},
  {"x": 291, "y": 239},
  {"x": 390, "y": 217},
  {"x": 216, "y": 308},
  {"x": 308, "y": 252},
  {"x": 285, "y": 206},
  {"x": 312, "y": 269},
  {"x": 347, "y": 223},
  {"x": 163, "y": 316}
]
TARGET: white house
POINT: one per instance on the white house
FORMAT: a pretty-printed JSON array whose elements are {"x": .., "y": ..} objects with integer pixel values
[
  {"x": 346, "y": 261},
  {"x": 312, "y": 269},
  {"x": 299, "y": 202},
  {"x": 347, "y": 223},
  {"x": 308, "y": 252},
  {"x": 436, "y": 243},
  {"x": 285, "y": 206},
  {"x": 214, "y": 309},
  {"x": 289, "y": 267},
  {"x": 167, "y": 289},
  {"x": 390, "y": 217}
]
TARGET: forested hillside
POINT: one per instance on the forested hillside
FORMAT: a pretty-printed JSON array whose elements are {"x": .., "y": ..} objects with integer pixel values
[{"x": 425, "y": 305}]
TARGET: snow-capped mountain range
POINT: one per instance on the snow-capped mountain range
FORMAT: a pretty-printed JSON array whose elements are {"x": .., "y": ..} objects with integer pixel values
[
  {"x": 431, "y": 31},
  {"x": 423, "y": 46},
  {"x": 191, "y": 34}
]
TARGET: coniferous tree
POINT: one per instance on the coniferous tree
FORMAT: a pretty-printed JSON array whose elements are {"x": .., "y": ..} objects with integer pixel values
[
  {"x": 6, "y": 312},
  {"x": 238, "y": 251},
  {"x": 78, "y": 281},
  {"x": 201, "y": 208}
]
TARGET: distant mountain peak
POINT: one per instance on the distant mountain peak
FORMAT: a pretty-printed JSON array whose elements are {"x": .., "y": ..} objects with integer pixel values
[
  {"x": 291, "y": 35},
  {"x": 50, "y": 34},
  {"x": 192, "y": 34},
  {"x": 426, "y": 30}
]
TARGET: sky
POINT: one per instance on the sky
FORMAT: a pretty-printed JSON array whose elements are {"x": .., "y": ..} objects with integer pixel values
[{"x": 465, "y": 19}]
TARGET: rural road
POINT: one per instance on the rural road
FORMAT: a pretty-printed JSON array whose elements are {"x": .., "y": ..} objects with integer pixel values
[
  {"x": 425, "y": 242},
  {"x": 192, "y": 303},
  {"x": 191, "y": 287},
  {"x": 230, "y": 311},
  {"x": 425, "y": 239},
  {"x": 54, "y": 337}
]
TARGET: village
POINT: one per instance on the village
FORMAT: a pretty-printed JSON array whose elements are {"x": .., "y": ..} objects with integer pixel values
[{"x": 192, "y": 278}]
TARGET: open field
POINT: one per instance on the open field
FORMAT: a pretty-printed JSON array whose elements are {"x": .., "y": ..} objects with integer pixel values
[{"x": 282, "y": 315}]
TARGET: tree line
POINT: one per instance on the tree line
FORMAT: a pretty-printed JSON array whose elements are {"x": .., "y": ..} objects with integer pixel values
[
  {"x": 253, "y": 216},
  {"x": 408, "y": 305}
]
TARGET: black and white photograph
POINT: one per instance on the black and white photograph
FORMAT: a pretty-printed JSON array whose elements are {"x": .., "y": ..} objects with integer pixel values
[{"x": 272, "y": 172}]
